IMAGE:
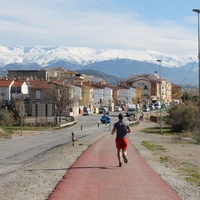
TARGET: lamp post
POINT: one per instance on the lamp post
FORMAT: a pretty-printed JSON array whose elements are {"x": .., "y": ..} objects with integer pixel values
[
  {"x": 161, "y": 131},
  {"x": 198, "y": 11}
]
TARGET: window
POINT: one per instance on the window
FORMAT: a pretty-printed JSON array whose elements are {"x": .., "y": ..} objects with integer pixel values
[
  {"x": 13, "y": 90},
  {"x": 18, "y": 90},
  {"x": 38, "y": 94}
]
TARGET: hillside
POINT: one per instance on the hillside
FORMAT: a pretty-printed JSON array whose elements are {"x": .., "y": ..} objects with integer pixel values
[
  {"x": 124, "y": 68},
  {"x": 112, "y": 80}
]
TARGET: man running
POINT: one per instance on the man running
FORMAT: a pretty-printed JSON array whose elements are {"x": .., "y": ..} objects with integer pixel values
[{"x": 121, "y": 128}]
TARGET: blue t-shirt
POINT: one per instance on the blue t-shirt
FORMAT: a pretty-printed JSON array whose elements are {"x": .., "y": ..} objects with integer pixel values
[{"x": 121, "y": 129}]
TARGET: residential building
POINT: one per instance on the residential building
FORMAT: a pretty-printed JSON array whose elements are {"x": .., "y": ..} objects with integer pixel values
[
  {"x": 98, "y": 95},
  {"x": 87, "y": 96},
  {"x": 19, "y": 90},
  {"x": 61, "y": 74},
  {"x": 166, "y": 92},
  {"x": 67, "y": 73},
  {"x": 23, "y": 74},
  {"x": 93, "y": 79},
  {"x": 103, "y": 95},
  {"x": 54, "y": 72},
  {"x": 123, "y": 94},
  {"x": 177, "y": 92},
  {"x": 95, "y": 95},
  {"x": 108, "y": 96},
  {"x": 88, "y": 91},
  {"x": 151, "y": 88},
  {"x": 39, "y": 104},
  {"x": 5, "y": 91},
  {"x": 77, "y": 95}
]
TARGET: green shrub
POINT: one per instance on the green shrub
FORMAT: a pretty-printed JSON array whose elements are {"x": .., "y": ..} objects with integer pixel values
[
  {"x": 6, "y": 118},
  {"x": 183, "y": 117}
]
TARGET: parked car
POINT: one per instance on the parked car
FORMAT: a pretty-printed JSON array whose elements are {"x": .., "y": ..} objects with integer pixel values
[
  {"x": 105, "y": 119},
  {"x": 87, "y": 111},
  {"x": 157, "y": 105},
  {"x": 130, "y": 111},
  {"x": 118, "y": 109},
  {"x": 103, "y": 110},
  {"x": 152, "y": 107},
  {"x": 123, "y": 107},
  {"x": 145, "y": 108},
  {"x": 137, "y": 108},
  {"x": 167, "y": 105}
]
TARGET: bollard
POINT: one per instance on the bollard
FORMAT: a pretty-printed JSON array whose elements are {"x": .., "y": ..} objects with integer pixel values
[
  {"x": 72, "y": 138},
  {"x": 98, "y": 125},
  {"x": 81, "y": 127}
]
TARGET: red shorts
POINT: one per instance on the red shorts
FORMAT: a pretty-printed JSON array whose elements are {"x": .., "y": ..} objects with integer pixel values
[{"x": 122, "y": 143}]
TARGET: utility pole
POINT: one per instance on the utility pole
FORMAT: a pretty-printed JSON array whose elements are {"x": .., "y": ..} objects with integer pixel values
[{"x": 161, "y": 130}]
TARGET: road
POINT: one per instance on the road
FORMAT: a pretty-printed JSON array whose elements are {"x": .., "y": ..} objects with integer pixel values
[{"x": 16, "y": 151}]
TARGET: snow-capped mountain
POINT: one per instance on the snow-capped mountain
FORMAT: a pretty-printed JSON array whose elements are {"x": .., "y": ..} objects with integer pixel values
[
  {"x": 115, "y": 62},
  {"x": 44, "y": 56}
]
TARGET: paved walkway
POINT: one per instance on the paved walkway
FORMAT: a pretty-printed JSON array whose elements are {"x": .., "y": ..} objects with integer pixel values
[{"x": 96, "y": 176}]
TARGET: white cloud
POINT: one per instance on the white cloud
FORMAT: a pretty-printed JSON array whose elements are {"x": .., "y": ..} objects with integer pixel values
[{"x": 74, "y": 23}]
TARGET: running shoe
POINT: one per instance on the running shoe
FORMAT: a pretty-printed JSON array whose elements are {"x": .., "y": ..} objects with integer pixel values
[{"x": 125, "y": 158}]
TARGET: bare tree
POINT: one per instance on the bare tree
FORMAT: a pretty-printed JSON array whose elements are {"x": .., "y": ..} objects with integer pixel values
[
  {"x": 2, "y": 103},
  {"x": 15, "y": 107},
  {"x": 62, "y": 97}
]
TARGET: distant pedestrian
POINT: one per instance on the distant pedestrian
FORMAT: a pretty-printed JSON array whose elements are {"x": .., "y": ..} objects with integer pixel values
[
  {"x": 141, "y": 116},
  {"x": 121, "y": 128}
]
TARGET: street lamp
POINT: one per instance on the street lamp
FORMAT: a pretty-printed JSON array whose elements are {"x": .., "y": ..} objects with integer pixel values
[
  {"x": 161, "y": 131},
  {"x": 198, "y": 11}
]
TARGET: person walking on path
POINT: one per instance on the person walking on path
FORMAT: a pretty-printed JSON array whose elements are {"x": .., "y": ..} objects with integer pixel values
[{"x": 121, "y": 128}]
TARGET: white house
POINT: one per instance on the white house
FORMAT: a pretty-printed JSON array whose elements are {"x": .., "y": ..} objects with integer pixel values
[
  {"x": 144, "y": 83},
  {"x": 76, "y": 93},
  {"x": 19, "y": 90},
  {"x": 5, "y": 90},
  {"x": 108, "y": 96},
  {"x": 98, "y": 99},
  {"x": 127, "y": 94}
]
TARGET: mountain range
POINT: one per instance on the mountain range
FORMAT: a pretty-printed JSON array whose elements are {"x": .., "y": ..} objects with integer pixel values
[{"x": 182, "y": 70}]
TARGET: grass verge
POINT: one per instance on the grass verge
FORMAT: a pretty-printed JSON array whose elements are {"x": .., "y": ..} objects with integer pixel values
[
  {"x": 7, "y": 131},
  {"x": 156, "y": 130},
  {"x": 191, "y": 176},
  {"x": 152, "y": 147}
]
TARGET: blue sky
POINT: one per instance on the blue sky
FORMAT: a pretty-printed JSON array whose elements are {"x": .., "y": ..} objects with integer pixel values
[{"x": 168, "y": 26}]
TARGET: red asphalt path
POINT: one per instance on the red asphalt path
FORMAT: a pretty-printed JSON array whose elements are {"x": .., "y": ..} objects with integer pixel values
[{"x": 96, "y": 176}]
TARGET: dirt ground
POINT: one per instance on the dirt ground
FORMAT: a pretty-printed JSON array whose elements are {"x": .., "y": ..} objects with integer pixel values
[{"x": 175, "y": 159}]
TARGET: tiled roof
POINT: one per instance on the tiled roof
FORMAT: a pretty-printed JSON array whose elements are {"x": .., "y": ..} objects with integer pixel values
[
  {"x": 96, "y": 85},
  {"x": 5, "y": 83},
  {"x": 122, "y": 87},
  {"x": 58, "y": 68},
  {"x": 78, "y": 84},
  {"x": 57, "y": 83},
  {"x": 150, "y": 78},
  {"x": 107, "y": 85},
  {"x": 60, "y": 83},
  {"x": 87, "y": 84},
  {"x": 38, "y": 84},
  {"x": 18, "y": 83}
]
